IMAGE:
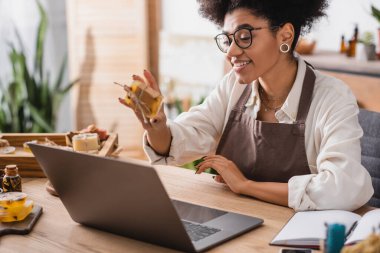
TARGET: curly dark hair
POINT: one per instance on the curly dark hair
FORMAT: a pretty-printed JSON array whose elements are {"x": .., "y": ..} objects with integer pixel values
[{"x": 300, "y": 13}]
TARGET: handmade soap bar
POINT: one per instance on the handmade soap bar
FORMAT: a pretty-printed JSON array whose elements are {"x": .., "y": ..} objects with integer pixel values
[
  {"x": 3, "y": 143},
  {"x": 26, "y": 145},
  {"x": 14, "y": 206},
  {"x": 16, "y": 213},
  {"x": 86, "y": 142},
  {"x": 144, "y": 98},
  {"x": 11, "y": 199}
]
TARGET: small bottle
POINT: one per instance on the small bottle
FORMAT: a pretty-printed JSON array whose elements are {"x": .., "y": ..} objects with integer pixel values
[
  {"x": 351, "y": 51},
  {"x": 356, "y": 33},
  {"x": 343, "y": 48},
  {"x": 11, "y": 179}
]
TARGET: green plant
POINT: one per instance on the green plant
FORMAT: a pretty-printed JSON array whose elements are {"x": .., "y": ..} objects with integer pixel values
[
  {"x": 30, "y": 102},
  {"x": 375, "y": 13},
  {"x": 367, "y": 38}
]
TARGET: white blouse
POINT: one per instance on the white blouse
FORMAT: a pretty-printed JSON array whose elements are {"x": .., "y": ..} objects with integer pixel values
[{"x": 332, "y": 139}]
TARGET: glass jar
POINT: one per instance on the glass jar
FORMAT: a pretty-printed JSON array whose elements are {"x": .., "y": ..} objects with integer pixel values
[{"x": 11, "y": 181}]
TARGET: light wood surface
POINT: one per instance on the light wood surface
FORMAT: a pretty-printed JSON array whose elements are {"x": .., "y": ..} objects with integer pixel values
[{"x": 56, "y": 232}]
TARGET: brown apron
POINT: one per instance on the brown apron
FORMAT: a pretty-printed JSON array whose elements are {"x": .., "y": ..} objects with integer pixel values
[{"x": 264, "y": 151}]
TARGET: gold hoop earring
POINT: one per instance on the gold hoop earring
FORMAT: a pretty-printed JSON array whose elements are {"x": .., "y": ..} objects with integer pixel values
[{"x": 284, "y": 48}]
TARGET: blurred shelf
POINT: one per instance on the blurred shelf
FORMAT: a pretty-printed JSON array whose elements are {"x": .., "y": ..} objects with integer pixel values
[
  {"x": 335, "y": 62},
  {"x": 363, "y": 77}
]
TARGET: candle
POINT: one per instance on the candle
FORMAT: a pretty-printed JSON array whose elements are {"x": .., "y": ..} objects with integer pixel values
[{"x": 86, "y": 142}]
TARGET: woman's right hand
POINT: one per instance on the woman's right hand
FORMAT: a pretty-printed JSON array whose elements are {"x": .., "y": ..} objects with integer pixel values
[{"x": 158, "y": 122}]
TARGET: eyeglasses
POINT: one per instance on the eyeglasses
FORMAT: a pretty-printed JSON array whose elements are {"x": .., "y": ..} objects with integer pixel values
[{"x": 242, "y": 38}]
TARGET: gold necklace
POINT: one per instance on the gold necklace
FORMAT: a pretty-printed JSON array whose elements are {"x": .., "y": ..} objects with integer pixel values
[{"x": 268, "y": 108}]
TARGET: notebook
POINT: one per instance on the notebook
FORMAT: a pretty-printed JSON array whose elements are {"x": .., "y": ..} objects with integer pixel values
[
  {"x": 126, "y": 197},
  {"x": 306, "y": 229}
]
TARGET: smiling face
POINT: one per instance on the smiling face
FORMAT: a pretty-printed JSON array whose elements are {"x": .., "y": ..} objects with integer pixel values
[{"x": 262, "y": 56}]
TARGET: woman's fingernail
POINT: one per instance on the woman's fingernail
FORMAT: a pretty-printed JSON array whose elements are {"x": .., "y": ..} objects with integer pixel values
[{"x": 213, "y": 177}]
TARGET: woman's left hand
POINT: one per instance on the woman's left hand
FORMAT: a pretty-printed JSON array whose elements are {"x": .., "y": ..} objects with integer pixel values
[{"x": 227, "y": 170}]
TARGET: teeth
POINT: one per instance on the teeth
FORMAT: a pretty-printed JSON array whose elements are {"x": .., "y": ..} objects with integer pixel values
[{"x": 240, "y": 64}]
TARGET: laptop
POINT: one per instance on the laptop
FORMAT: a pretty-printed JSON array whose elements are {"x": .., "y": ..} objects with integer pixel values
[{"x": 126, "y": 197}]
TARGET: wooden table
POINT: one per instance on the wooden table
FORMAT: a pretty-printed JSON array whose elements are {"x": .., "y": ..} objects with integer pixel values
[{"x": 56, "y": 232}]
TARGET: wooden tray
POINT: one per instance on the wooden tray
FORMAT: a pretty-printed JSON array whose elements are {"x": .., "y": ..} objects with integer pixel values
[
  {"x": 27, "y": 163},
  {"x": 21, "y": 227}
]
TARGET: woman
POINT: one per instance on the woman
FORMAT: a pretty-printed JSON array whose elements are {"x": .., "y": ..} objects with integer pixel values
[{"x": 275, "y": 128}]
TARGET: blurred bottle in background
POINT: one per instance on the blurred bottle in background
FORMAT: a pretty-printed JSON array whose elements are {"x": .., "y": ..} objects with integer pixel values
[
  {"x": 351, "y": 51},
  {"x": 343, "y": 47}
]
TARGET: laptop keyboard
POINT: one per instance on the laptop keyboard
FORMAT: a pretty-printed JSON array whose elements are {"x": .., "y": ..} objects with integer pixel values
[{"x": 197, "y": 231}]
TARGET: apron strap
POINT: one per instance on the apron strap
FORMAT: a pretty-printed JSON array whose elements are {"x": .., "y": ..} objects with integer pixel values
[
  {"x": 309, "y": 64},
  {"x": 240, "y": 105},
  {"x": 306, "y": 95}
]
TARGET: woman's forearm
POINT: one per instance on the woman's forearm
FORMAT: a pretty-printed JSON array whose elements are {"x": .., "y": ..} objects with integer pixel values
[
  {"x": 276, "y": 193},
  {"x": 160, "y": 140}
]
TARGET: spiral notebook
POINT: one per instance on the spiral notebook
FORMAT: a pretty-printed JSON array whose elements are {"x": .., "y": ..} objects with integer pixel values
[{"x": 306, "y": 229}]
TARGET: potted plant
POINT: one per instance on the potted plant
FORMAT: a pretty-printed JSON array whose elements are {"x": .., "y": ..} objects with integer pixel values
[
  {"x": 376, "y": 15},
  {"x": 369, "y": 47},
  {"x": 30, "y": 101}
]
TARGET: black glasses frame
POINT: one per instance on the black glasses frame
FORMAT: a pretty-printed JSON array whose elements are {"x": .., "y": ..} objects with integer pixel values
[{"x": 250, "y": 29}]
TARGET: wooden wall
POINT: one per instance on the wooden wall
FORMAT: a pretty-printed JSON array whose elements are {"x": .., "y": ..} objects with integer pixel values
[{"x": 109, "y": 41}]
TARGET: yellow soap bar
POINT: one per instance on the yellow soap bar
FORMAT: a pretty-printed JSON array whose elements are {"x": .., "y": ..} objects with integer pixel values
[
  {"x": 86, "y": 142},
  {"x": 17, "y": 213},
  {"x": 26, "y": 146},
  {"x": 150, "y": 100},
  {"x": 11, "y": 199}
]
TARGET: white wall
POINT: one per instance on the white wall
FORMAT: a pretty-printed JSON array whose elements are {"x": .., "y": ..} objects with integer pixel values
[
  {"x": 181, "y": 17},
  {"x": 341, "y": 20},
  {"x": 188, "y": 54},
  {"x": 23, "y": 15}
]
